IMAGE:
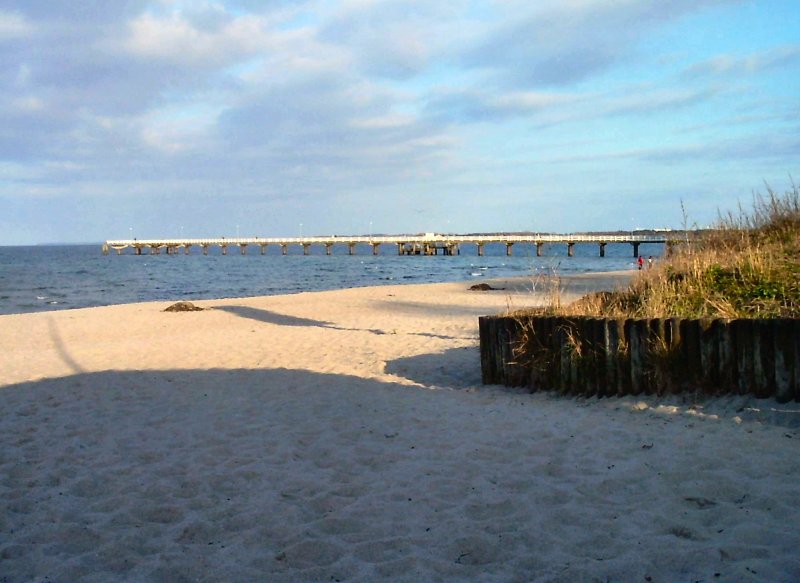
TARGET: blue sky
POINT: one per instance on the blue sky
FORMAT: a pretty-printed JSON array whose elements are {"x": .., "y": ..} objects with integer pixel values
[{"x": 169, "y": 117}]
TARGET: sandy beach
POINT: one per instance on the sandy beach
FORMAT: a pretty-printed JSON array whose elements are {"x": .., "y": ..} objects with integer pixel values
[{"x": 346, "y": 436}]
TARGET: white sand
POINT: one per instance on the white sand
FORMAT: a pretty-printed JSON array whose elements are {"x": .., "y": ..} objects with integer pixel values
[{"x": 345, "y": 436}]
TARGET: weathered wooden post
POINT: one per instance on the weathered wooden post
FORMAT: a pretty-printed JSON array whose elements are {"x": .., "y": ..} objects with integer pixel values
[
  {"x": 564, "y": 355},
  {"x": 634, "y": 333},
  {"x": 796, "y": 368},
  {"x": 709, "y": 359},
  {"x": 480, "y": 249},
  {"x": 643, "y": 329},
  {"x": 328, "y": 249},
  {"x": 675, "y": 363},
  {"x": 657, "y": 355},
  {"x": 351, "y": 248},
  {"x": 539, "y": 246},
  {"x": 263, "y": 248},
  {"x": 690, "y": 349},
  {"x": 602, "y": 249},
  {"x": 598, "y": 349},
  {"x": 727, "y": 356},
  {"x": 541, "y": 357},
  {"x": 570, "y": 249},
  {"x": 742, "y": 334},
  {"x": 611, "y": 340},
  {"x": 784, "y": 361},
  {"x": 485, "y": 337},
  {"x": 584, "y": 338},
  {"x": 589, "y": 340},
  {"x": 763, "y": 359},
  {"x": 509, "y": 246}
]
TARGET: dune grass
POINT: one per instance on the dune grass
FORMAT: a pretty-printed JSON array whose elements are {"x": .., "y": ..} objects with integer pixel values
[{"x": 747, "y": 266}]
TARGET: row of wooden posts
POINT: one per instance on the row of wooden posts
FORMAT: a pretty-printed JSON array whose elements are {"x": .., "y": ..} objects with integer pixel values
[{"x": 606, "y": 357}]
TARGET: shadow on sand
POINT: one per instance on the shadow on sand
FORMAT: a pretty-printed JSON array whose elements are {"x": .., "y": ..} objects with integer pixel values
[
  {"x": 105, "y": 474},
  {"x": 268, "y": 317},
  {"x": 277, "y": 319},
  {"x": 455, "y": 368}
]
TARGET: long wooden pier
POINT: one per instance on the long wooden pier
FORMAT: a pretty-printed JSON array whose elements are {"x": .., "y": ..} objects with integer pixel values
[{"x": 425, "y": 244}]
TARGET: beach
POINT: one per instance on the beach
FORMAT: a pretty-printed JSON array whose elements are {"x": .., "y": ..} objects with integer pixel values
[{"x": 345, "y": 436}]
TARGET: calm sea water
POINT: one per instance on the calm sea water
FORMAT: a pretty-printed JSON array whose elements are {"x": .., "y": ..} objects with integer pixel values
[{"x": 42, "y": 278}]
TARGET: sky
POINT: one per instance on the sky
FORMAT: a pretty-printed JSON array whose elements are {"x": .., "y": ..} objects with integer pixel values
[{"x": 178, "y": 118}]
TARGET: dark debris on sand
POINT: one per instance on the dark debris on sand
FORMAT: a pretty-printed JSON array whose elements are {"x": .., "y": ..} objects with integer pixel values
[
  {"x": 484, "y": 287},
  {"x": 184, "y": 307}
]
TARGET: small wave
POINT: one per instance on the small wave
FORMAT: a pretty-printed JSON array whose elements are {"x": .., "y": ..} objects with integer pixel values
[
  {"x": 476, "y": 274},
  {"x": 41, "y": 297}
]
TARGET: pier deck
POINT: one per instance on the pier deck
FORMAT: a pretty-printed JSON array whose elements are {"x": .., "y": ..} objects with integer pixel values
[{"x": 427, "y": 244}]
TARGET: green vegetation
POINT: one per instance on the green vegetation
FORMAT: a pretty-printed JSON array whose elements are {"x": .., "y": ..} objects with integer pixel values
[{"x": 748, "y": 266}]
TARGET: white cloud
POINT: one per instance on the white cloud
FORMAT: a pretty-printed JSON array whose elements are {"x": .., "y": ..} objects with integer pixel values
[
  {"x": 560, "y": 43},
  {"x": 26, "y": 104},
  {"x": 13, "y": 26},
  {"x": 398, "y": 39},
  {"x": 384, "y": 121},
  {"x": 291, "y": 55},
  {"x": 783, "y": 56},
  {"x": 175, "y": 39}
]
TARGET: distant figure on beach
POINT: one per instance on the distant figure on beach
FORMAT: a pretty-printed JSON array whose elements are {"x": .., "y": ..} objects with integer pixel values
[
  {"x": 640, "y": 262},
  {"x": 650, "y": 262}
]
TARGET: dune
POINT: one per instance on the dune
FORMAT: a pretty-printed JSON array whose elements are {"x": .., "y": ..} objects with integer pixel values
[{"x": 346, "y": 436}]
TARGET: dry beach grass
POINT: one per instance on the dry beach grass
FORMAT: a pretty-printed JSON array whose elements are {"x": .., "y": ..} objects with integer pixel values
[
  {"x": 345, "y": 436},
  {"x": 748, "y": 266}
]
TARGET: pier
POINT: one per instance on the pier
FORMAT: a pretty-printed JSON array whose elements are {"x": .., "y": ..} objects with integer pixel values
[{"x": 425, "y": 244}]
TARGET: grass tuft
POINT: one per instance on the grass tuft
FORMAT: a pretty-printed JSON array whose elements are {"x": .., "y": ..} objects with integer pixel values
[{"x": 747, "y": 266}]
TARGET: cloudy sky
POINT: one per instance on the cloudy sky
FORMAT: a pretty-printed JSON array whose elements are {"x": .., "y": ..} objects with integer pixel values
[{"x": 166, "y": 117}]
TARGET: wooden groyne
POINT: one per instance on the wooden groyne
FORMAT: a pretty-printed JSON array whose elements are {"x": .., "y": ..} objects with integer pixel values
[
  {"x": 424, "y": 244},
  {"x": 607, "y": 357}
]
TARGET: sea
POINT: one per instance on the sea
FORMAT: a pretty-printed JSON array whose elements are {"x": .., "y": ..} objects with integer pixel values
[{"x": 60, "y": 277}]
